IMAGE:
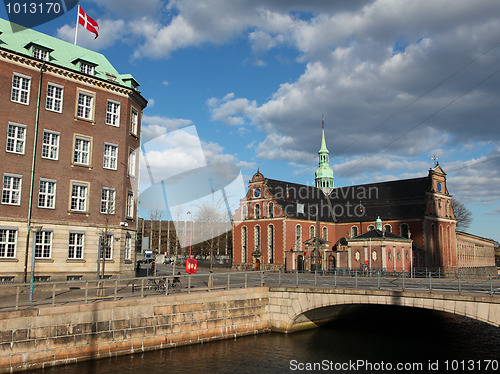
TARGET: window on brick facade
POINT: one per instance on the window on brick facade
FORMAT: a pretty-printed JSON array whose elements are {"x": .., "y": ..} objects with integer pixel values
[
  {"x": 108, "y": 200},
  {"x": 54, "y": 97},
  {"x": 113, "y": 113},
  {"x": 79, "y": 192},
  {"x": 130, "y": 205},
  {"x": 50, "y": 145},
  {"x": 16, "y": 138},
  {"x": 20, "y": 89},
  {"x": 11, "y": 189},
  {"x": 134, "y": 121},
  {"x": 8, "y": 243},
  {"x": 85, "y": 106},
  {"x": 132, "y": 162},
  {"x": 82, "y": 150},
  {"x": 110, "y": 160},
  {"x": 47, "y": 194}
]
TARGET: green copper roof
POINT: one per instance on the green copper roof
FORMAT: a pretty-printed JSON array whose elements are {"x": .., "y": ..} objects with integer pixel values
[
  {"x": 62, "y": 53},
  {"x": 324, "y": 174}
]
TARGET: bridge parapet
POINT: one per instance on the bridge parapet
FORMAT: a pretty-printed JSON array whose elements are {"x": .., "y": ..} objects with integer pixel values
[{"x": 297, "y": 308}]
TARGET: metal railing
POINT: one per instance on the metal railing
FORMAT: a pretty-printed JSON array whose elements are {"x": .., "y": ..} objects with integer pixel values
[{"x": 18, "y": 296}]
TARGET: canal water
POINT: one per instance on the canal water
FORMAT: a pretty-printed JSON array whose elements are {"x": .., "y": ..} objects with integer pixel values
[{"x": 376, "y": 339}]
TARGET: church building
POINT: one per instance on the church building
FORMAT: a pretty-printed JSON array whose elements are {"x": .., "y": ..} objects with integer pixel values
[{"x": 390, "y": 226}]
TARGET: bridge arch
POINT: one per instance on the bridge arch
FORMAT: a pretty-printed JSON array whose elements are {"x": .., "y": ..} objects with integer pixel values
[{"x": 294, "y": 309}]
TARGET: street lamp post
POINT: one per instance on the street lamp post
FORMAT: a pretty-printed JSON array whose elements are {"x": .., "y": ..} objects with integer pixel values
[{"x": 35, "y": 230}]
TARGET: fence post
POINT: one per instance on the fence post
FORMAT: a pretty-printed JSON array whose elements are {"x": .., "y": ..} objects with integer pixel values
[
  {"x": 54, "y": 294},
  {"x": 167, "y": 283},
  {"x": 439, "y": 272},
  {"x": 279, "y": 277},
  {"x": 262, "y": 279},
  {"x": 403, "y": 280},
  {"x": 356, "y": 277},
  {"x": 297, "y": 277},
  {"x": 315, "y": 280},
  {"x": 335, "y": 278},
  {"x": 86, "y": 291},
  {"x": 17, "y": 297},
  {"x": 378, "y": 279},
  {"x": 189, "y": 283},
  {"x": 246, "y": 280},
  {"x": 209, "y": 281},
  {"x": 228, "y": 281},
  {"x": 459, "y": 284},
  {"x": 491, "y": 286},
  {"x": 142, "y": 287},
  {"x": 430, "y": 282},
  {"x": 116, "y": 289}
]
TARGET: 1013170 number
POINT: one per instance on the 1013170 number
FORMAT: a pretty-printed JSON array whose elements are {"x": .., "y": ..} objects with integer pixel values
[{"x": 33, "y": 8}]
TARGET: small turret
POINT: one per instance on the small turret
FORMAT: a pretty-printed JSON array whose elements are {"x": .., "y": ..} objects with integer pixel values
[{"x": 324, "y": 174}]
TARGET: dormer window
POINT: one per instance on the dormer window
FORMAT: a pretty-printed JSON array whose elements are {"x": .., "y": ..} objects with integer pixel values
[
  {"x": 40, "y": 54},
  {"x": 87, "y": 68}
]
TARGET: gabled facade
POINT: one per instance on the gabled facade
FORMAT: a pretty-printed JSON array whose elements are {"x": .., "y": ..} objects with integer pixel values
[{"x": 69, "y": 128}]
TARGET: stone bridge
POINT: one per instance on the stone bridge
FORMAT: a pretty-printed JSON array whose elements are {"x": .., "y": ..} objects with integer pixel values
[{"x": 298, "y": 308}]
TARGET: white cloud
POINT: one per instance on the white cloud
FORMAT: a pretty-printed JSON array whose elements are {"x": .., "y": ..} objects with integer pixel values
[{"x": 109, "y": 32}]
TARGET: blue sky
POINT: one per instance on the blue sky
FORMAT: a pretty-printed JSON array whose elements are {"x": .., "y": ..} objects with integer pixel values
[{"x": 397, "y": 80}]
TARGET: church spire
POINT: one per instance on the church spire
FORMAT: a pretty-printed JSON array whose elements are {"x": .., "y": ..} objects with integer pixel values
[{"x": 324, "y": 174}]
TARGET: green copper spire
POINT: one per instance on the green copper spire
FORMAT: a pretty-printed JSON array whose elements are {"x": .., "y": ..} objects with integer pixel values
[{"x": 324, "y": 174}]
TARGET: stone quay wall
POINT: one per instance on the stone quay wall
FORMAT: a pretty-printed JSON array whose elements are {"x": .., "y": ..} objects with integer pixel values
[{"x": 49, "y": 336}]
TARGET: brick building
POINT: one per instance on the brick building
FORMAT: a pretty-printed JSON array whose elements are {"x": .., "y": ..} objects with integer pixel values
[
  {"x": 69, "y": 128},
  {"x": 288, "y": 226}
]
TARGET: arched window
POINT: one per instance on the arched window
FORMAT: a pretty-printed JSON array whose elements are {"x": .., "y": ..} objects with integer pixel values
[
  {"x": 325, "y": 233},
  {"x": 257, "y": 238},
  {"x": 271, "y": 210},
  {"x": 404, "y": 230},
  {"x": 387, "y": 228},
  {"x": 244, "y": 212},
  {"x": 244, "y": 244},
  {"x": 270, "y": 241},
  {"x": 298, "y": 237},
  {"x": 257, "y": 211},
  {"x": 354, "y": 231},
  {"x": 311, "y": 232}
]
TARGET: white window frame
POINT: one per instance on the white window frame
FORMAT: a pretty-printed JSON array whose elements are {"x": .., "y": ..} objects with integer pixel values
[
  {"x": 8, "y": 242},
  {"x": 110, "y": 240},
  {"x": 129, "y": 212},
  {"x": 40, "y": 54},
  {"x": 43, "y": 244},
  {"x": 113, "y": 113},
  {"x": 16, "y": 140},
  {"x": 134, "y": 121},
  {"x": 18, "y": 90},
  {"x": 132, "y": 162},
  {"x": 87, "y": 68},
  {"x": 85, "y": 105},
  {"x": 50, "y": 151},
  {"x": 75, "y": 245},
  {"x": 55, "y": 96},
  {"x": 47, "y": 198},
  {"x": 109, "y": 160},
  {"x": 128, "y": 247},
  {"x": 108, "y": 200},
  {"x": 13, "y": 194},
  {"x": 79, "y": 152},
  {"x": 76, "y": 198}
]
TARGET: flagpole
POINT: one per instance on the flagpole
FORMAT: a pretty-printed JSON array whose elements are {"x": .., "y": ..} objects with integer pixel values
[{"x": 77, "y": 18}]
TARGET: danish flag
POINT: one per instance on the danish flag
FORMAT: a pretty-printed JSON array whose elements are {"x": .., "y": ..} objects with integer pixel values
[{"x": 87, "y": 22}]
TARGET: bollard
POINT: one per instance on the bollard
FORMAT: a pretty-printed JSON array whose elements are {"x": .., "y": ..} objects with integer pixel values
[
  {"x": 356, "y": 278},
  {"x": 246, "y": 280},
  {"x": 142, "y": 287},
  {"x": 86, "y": 291},
  {"x": 430, "y": 282},
  {"x": 403, "y": 280},
  {"x": 209, "y": 282},
  {"x": 54, "y": 294},
  {"x": 335, "y": 278},
  {"x": 491, "y": 286},
  {"x": 279, "y": 277},
  {"x": 116, "y": 289},
  {"x": 297, "y": 277},
  {"x": 189, "y": 284},
  {"x": 459, "y": 284},
  {"x": 315, "y": 280},
  {"x": 166, "y": 284},
  {"x": 378, "y": 279},
  {"x": 262, "y": 279},
  {"x": 228, "y": 281}
]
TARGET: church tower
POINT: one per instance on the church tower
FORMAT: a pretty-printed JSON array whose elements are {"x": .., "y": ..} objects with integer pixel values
[{"x": 324, "y": 174}]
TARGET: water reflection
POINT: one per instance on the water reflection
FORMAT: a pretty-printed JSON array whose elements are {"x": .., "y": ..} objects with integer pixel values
[{"x": 372, "y": 333}]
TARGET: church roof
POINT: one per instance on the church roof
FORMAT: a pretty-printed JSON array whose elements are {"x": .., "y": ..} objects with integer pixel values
[
  {"x": 377, "y": 234},
  {"x": 401, "y": 199}
]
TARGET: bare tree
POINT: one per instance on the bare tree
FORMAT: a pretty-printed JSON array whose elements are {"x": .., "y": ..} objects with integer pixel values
[{"x": 462, "y": 214}]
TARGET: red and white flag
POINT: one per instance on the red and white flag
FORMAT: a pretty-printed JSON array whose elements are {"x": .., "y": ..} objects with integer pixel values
[{"x": 87, "y": 22}]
